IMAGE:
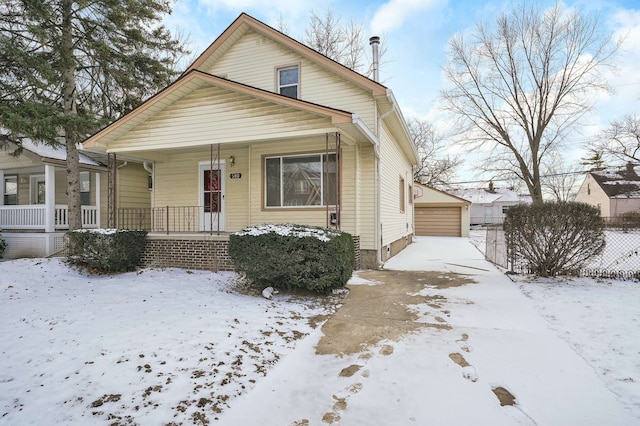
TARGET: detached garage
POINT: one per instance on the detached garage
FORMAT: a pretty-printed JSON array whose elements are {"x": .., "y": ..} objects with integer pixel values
[{"x": 437, "y": 213}]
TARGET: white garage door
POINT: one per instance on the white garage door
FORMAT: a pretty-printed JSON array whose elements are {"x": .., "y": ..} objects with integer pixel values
[{"x": 438, "y": 221}]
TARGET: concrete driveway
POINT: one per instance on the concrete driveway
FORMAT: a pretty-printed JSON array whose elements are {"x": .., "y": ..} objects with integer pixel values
[{"x": 439, "y": 337}]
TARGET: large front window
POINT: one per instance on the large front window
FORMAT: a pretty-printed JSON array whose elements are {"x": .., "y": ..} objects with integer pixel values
[{"x": 301, "y": 180}]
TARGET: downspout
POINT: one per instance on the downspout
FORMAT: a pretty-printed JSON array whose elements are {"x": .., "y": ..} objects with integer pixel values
[{"x": 147, "y": 167}]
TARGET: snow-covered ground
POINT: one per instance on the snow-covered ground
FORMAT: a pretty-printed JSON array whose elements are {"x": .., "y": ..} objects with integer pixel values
[
  {"x": 152, "y": 347},
  {"x": 168, "y": 347},
  {"x": 600, "y": 320}
]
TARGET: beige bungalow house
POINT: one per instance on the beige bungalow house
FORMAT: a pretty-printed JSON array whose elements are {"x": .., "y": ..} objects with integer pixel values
[
  {"x": 33, "y": 206},
  {"x": 263, "y": 129},
  {"x": 613, "y": 192}
]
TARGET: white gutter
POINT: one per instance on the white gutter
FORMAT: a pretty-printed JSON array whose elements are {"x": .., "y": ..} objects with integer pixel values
[
  {"x": 357, "y": 121},
  {"x": 394, "y": 104}
]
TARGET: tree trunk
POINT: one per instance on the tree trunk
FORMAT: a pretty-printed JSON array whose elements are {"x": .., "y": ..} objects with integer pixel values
[{"x": 70, "y": 113}]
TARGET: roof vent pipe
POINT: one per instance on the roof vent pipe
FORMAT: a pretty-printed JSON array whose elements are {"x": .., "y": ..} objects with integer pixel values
[{"x": 375, "y": 44}]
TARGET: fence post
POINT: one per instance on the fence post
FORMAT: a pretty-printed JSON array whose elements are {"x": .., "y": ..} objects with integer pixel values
[{"x": 167, "y": 220}]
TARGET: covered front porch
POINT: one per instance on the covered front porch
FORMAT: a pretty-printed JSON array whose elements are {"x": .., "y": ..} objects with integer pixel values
[
  {"x": 29, "y": 201},
  {"x": 33, "y": 212}
]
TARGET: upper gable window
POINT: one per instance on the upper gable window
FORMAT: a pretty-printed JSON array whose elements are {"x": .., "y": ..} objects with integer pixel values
[{"x": 289, "y": 81}]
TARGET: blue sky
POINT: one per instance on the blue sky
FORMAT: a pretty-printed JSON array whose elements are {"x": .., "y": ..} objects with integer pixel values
[{"x": 416, "y": 33}]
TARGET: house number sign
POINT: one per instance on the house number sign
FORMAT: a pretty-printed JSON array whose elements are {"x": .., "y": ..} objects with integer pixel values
[{"x": 235, "y": 175}]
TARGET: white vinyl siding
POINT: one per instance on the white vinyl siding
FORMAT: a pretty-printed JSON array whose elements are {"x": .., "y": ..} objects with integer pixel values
[
  {"x": 253, "y": 59},
  {"x": 132, "y": 186},
  {"x": 395, "y": 224},
  {"x": 366, "y": 197},
  {"x": 235, "y": 117}
]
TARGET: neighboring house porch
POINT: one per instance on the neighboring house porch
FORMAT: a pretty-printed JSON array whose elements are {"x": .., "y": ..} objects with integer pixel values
[{"x": 33, "y": 209}]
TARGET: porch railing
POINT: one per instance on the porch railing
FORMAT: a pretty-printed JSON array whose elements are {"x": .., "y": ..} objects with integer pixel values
[
  {"x": 168, "y": 219},
  {"x": 34, "y": 217}
]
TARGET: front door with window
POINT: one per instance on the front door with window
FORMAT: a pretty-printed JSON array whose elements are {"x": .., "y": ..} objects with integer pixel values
[{"x": 212, "y": 197}]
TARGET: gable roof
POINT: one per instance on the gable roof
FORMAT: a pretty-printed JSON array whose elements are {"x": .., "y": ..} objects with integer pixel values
[
  {"x": 421, "y": 195},
  {"x": 192, "y": 81},
  {"x": 244, "y": 23},
  {"x": 195, "y": 77},
  {"x": 485, "y": 196},
  {"x": 381, "y": 93},
  {"x": 620, "y": 183}
]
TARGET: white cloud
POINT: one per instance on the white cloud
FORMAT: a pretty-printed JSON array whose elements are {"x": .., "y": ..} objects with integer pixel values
[{"x": 394, "y": 13}]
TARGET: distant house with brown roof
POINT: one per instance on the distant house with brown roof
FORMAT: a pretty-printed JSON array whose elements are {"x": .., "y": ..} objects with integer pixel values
[{"x": 614, "y": 192}]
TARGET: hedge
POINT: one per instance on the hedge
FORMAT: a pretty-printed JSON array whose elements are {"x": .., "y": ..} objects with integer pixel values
[
  {"x": 293, "y": 256},
  {"x": 106, "y": 250}
]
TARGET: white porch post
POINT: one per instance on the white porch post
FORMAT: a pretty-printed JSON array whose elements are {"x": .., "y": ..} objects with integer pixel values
[
  {"x": 49, "y": 198},
  {"x": 97, "y": 180},
  {"x": 1, "y": 187}
]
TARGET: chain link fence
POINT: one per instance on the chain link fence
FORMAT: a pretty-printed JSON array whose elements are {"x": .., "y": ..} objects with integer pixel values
[{"x": 620, "y": 258}]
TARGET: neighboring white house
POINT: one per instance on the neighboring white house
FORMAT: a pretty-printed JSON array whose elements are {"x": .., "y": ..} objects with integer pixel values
[{"x": 489, "y": 205}]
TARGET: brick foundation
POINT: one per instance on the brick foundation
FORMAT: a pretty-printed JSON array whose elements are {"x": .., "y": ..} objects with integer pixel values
[
  {"x": 209, "y": 253},
  {"x": 199, "y": 254},
  {"x": 396, "y": 247}
]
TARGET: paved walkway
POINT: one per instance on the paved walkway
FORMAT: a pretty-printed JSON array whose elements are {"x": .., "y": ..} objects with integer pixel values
[{"x": 440, "y": 337}]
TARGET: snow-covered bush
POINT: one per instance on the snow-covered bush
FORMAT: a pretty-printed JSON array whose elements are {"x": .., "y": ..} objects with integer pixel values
[
  {"x": 106, "y": 250},
  {"x": 287, "y": 257},
  {"x": 554, "y": 238},
  {"x": 3, "y": 246}
]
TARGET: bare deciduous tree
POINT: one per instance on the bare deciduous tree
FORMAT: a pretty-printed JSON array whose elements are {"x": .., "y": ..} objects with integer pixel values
[
  {"x": 521, "y": 86},
  {"x": 621, "y": 140},
  {"x": 436, "y": 168},
  {"x": 327, "y": 35},
  {"x": 560, "y": 180}
]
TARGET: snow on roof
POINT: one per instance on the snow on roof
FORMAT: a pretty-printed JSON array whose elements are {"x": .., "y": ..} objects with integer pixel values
[
  {"x": 485, "y": 196},
  {"x": 620, "y": 183},
  {"x": 54, "y": 153}
]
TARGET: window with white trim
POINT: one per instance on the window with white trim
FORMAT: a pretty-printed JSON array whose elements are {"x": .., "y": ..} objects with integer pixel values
[
  {"x": 85, "y": 188},
  {"x": 10, "y": 190},
  {"x": 289, "y": 81},
  {"x": 307, "y": 180}
]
